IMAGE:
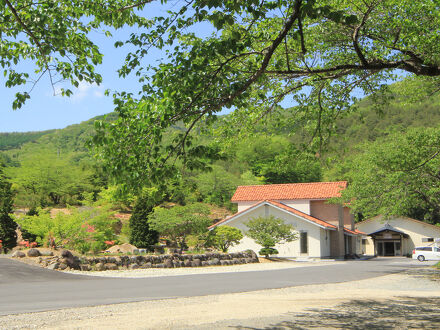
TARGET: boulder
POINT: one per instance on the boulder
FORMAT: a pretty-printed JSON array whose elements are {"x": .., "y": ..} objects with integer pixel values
[
  {"x": 122, "y": 248},
  {"x": 33, "y": 253},
  {"x": 111, "y": 266},
  {"x": 99, "y": 266},
  {"x": 84, "y": 267},
  {"x": 147, "y": 265},
  {"x": 18, "y": 254},
  {"x": 46, "y": 253},
  {"x": 54, "y": 266},
  {"x": 196, "y": 263},
  {"x": 187, "y": 263},
  {"x": 168, "y": 263},
  {"x": 62, "y": 266},
  {"x": 133, "y": 266},
  {"x": 66, "y": 254}
]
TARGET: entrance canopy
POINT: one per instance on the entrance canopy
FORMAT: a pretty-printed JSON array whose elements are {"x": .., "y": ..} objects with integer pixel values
[{"x": 387, "y": 229}]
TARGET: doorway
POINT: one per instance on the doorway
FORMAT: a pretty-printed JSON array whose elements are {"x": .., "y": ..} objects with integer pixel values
[{"x": 388, "y": 248}]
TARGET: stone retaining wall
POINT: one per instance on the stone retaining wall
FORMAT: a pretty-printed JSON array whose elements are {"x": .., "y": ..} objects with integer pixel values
[{"x": 68, "y": 261}]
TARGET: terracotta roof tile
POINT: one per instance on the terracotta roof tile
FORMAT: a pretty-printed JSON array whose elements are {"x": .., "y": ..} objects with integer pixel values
[{"x": 289, "y": 191}]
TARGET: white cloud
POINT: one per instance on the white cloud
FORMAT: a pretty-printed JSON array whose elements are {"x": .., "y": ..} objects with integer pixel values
[{"x": 84, "y": 90}]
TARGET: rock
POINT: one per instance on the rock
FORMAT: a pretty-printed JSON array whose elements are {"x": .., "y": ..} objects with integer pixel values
[
  {"x": 99, "y": 266},
  {"x": 18, "y": 254},
  {"x": 196, "y": 263},
  {"x": 187, "y": 263},
  {"x": 215, "y": 261},
  {"x": 46, "y": 253},
  {"x": 147, "y": 265},
  {"x": 66, "y": 254},
  {"x": 62, "y": 266},
  {"x": 204, "y": 263},
  {"x": 33, "y": 253},
  {"x": 84, "y": 267},
  {"x": 133, "y": 266},
  {"x": 123, "y": 248},
  {"x": 168, "y": 263},
  {"x": 54, "y": 266},
  {"x": 111, "y": 266}
]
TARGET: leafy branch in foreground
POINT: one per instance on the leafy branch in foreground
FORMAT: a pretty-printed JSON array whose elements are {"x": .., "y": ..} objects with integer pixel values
[{"x": 317, "y": 54}]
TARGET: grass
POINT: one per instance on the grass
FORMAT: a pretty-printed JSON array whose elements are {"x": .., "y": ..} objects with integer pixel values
[{"x": 437, "y": 265}]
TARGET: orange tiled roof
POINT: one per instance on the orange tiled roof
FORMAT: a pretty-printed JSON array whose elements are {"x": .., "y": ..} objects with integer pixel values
[
  {"x": 288, "y": 191},
  {"x": 285, "y": 207}
]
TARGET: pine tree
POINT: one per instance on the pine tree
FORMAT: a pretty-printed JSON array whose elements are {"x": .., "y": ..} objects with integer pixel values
[
  {"x": 8, "y": 236},
  {"x": 140, "y": 233}
]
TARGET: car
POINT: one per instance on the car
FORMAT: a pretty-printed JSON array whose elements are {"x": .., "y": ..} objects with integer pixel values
[{"x": 422, "y": 253}]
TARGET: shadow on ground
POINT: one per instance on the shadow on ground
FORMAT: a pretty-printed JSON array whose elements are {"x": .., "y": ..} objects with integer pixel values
[{"x": 403, "y": 313}]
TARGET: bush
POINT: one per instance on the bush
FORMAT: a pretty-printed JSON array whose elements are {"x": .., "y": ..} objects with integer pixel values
[
  {"x": 81, "y": 230},
  {"x": 269, "y": 231},
  {"x": 267, "y": 252},
  {"x": 223, "y": 237}
]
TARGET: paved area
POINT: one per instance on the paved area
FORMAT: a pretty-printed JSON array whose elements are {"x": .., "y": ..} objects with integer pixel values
[
  {"x": 26, "y": 288},
  {"x": 405, "y": 300}
]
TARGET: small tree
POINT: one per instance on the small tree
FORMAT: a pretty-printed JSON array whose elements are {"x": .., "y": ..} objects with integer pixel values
[
  {"x": 223, "y": 237},
  {"x": 178, "y": 222},
  {"x": 141, "y": 235},
  {"x": 269, "y": 231},
  {"x": 8, "y": 236}
]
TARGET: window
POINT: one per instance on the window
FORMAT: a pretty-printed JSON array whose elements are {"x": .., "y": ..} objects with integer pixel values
[
  {"x": 427, "y": 239},
  {"x": 303, "y": 242},
  {"x": 425, "y": 248}
]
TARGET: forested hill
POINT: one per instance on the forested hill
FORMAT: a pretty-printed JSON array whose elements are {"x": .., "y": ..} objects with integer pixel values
[
  {"x": 17, "y": 139},
  {"x": 54, "y": 167}
]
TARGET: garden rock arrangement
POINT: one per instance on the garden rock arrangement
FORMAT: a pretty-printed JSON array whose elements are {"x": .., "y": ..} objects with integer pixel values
[{"x": 68, "y": 261}]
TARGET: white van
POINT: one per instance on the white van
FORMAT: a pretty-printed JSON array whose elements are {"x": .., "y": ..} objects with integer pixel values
[{"x": 423, "y": 253}]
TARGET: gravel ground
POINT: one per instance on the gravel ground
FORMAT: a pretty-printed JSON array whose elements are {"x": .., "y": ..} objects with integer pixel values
[
  {"x": 154, "y": 272},
  {"x": 400, "y": 301}
]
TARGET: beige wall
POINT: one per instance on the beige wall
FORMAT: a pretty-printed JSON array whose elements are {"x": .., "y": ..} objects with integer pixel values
[
  {"x": 416, "y": 231},
  {"x": 302, "y": 205},
  {"x": 329, "y": 212},
  {"x": 291, "y": 249}
]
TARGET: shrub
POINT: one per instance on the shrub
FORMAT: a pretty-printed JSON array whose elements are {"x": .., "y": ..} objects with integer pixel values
[
  {"x": 81, "y": 230},
  {"x": 267, "y": 252},
  {"x": 269, "y": 231},
  {"x": 179, "y": 222},
  {"x": 223, "y": 237}
]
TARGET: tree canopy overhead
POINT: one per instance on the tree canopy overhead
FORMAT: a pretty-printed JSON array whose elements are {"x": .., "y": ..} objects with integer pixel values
[
  {"x": 317, "y": 54},
  {"x": 54, "y": 36}
]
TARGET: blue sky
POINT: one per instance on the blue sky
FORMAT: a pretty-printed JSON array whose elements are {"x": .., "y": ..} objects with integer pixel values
[{"x": 45, "y": 111}]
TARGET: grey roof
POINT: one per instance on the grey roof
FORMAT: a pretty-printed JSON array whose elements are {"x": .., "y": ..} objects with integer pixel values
[{"x": 387, "y": 227}]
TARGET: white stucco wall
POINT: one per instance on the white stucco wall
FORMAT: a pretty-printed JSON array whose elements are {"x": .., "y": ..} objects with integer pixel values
[
  {"x": 291, "y": 249},
  {"x": 302, "y": 205},
  {"x": 416, "y": 231}
]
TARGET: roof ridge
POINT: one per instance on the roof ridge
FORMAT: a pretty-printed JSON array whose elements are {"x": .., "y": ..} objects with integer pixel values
[{"x": 284, "y": 184}]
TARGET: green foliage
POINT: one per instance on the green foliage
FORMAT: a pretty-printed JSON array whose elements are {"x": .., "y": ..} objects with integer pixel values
[
  {"x": 318, "y": 54},
  {"x": 223, "y": 237},
  {"x": 8, "y": 235},
  {"x": 142, "y": 234},
  {"x": 57, "y": 44},
  {"x": 82, "y": 230},
  {"x": 178, "y": 222},
  {"x": 397, "y": 175},
  {"x": 267, "y": 252},
  {"x": 269, "y": 231},
  {"x": 15, "y": 140}
]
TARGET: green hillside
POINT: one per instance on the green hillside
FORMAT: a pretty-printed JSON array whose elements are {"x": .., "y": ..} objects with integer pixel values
[{"x": 55, "y": 168}]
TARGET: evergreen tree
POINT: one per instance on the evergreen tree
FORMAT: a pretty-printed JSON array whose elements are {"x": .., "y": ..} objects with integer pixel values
[
  {"x": 7, "y": 224},
  {"x": 140, "y": 233}
]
